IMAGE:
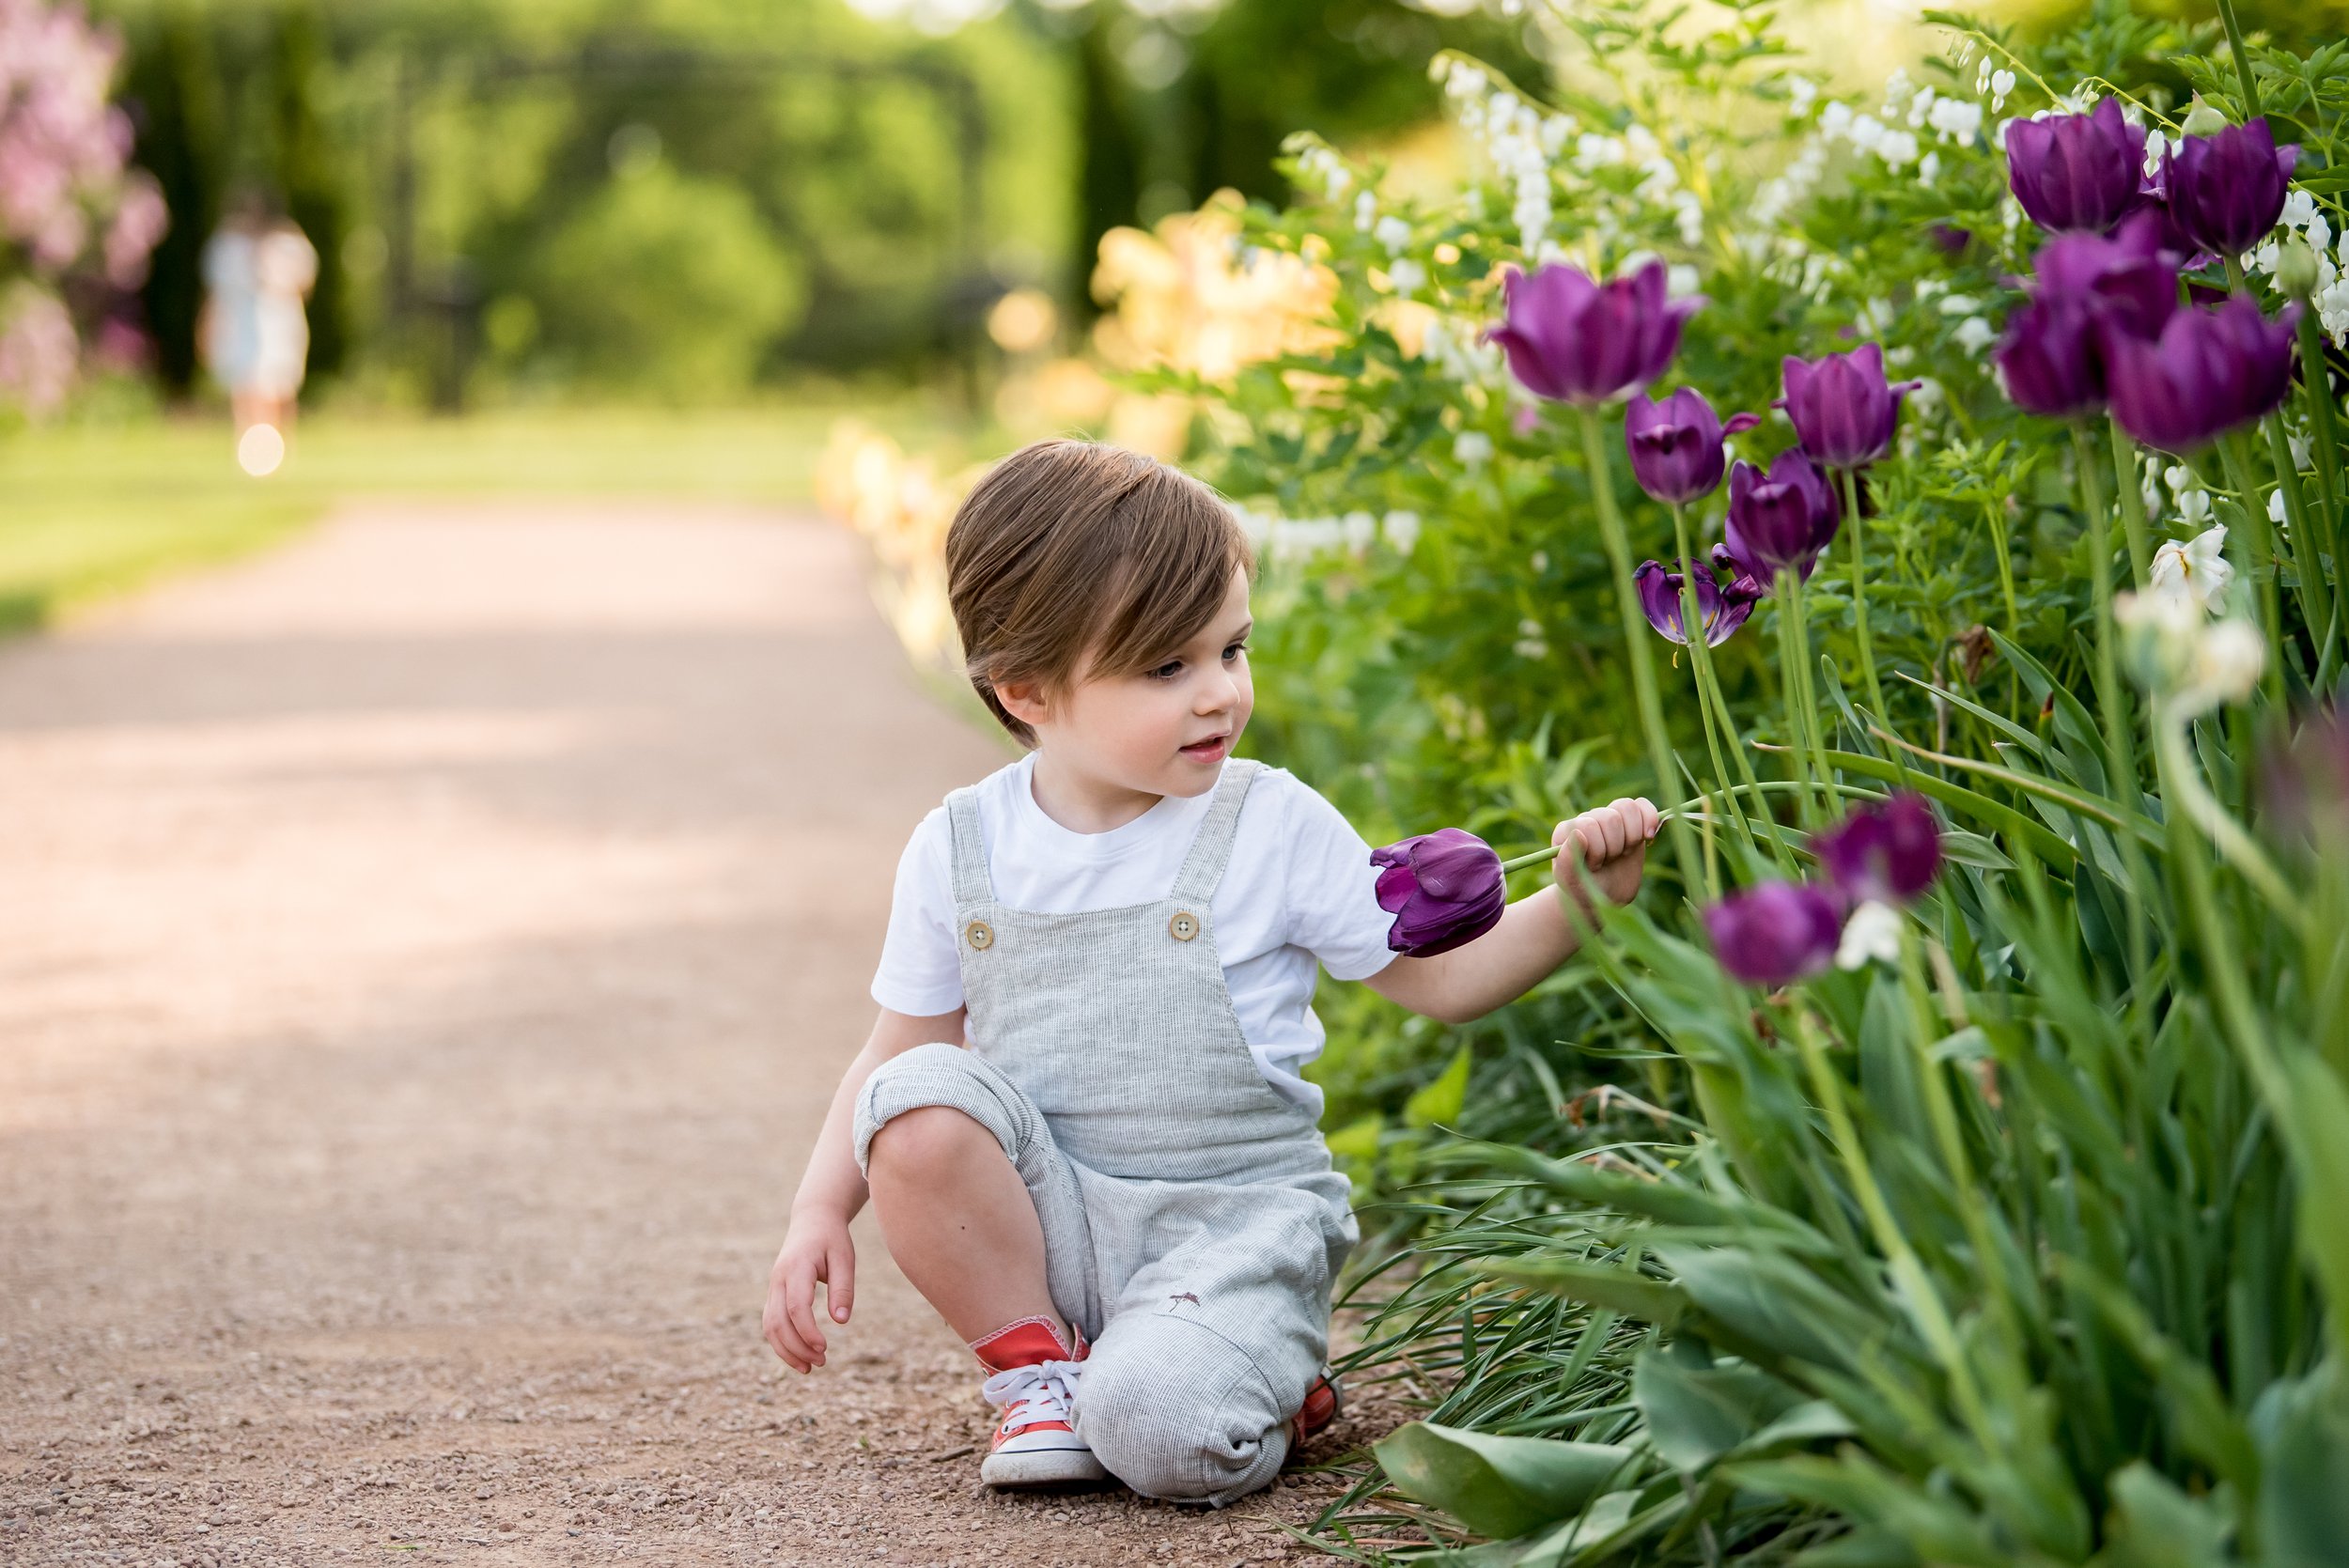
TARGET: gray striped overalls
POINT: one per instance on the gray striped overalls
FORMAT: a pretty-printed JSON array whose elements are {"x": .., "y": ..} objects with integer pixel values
[{"x": 1192, "y": 1223}]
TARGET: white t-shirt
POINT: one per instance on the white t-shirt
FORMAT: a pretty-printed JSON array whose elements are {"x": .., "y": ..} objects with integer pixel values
[{"x": 1300, "y": 888}]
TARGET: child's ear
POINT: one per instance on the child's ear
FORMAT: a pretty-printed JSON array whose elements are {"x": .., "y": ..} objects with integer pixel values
[{"x": 1023, "y": 700}]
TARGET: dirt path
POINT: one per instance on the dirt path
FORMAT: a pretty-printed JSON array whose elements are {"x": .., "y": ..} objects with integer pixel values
[{"x": 424, "y": 958}]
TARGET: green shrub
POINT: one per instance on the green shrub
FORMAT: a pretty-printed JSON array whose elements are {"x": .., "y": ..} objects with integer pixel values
[{"x": 668, "y": 283}]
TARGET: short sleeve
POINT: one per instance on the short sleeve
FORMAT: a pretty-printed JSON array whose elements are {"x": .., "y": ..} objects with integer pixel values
[
  {"x": 1332, "y": 888},
  {"x": 921, "y": 970}
]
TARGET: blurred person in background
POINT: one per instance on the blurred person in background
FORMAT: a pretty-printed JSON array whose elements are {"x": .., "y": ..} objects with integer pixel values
[{"x": 258, "y": 268}]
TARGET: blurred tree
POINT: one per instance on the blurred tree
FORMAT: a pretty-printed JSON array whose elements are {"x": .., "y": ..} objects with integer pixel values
[
  {"x": 173, "y": 90},
  {"x": 1181, "y": 100},
  {"x": 667, "y": 283}
]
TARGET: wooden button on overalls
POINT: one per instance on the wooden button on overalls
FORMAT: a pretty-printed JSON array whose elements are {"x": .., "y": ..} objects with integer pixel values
[
  {"x": 1184, "y": 927},
  {"x": 981, "y": 934}
]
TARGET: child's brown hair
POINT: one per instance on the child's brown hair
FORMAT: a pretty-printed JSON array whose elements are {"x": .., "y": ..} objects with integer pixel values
[{"x": 1073, "y": 557}]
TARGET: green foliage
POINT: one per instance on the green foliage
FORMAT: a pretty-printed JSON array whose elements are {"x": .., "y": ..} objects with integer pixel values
[
  {"x": 667, "y": 283},
  {"x": 2017, "y": 1246}
]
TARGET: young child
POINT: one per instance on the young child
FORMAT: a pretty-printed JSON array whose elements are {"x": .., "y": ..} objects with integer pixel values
[{"x": 1081, "y": 1115}]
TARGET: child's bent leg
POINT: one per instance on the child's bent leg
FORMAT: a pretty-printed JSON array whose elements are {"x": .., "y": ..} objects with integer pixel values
[
  {"x": 979, "y": 1208},
  {"x": 1178, "y": 1411},
  {"x": 959, "y": 1220}
]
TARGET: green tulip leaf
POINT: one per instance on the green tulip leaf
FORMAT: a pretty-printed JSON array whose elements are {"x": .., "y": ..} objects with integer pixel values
[
  {"x": 2302, "y": 1428},
  {"x": 2155, "y": 1525},
  {"x": 1694, "y": 1416},
  {"x": 1439, "y": 1103},
  {"x": 1616, "y": 1289},
  {"x": 1500, "y": 1486}
]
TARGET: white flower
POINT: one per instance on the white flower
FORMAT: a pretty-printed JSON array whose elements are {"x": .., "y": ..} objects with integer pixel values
[
  {"x": 2197, "y": 571},
  {"x": 2299, "y": 209},
  {"x": 1393, "y": 233},
  {"x": 2179, "y": 478},
  {"x": 1802, "y": 92},
  {"x": 2227, "y": 664},
  {"x": 1955, "y": 120},
  {"x": 1975, "y": 333},
  {"x": 1407, "y": 275},
  {"x": 2198, "y": 663},
  {"x": 1539, "y": 561},
  {"x": 1929, "y": 168},
  {"x": 1872, "y": 932},
  {"x": 1866, "y": 133},
  {"x": 1680, "y": 280},
  {"x": 1365, "y": 211},
  {"x": 1359, "y": 528},
  {"x": 2194, "y": 507},
  {"x": 1473, "y": 448},
  {"x": 1402, "y": 530},
  {"x": 2001, "y": 83},
  {"x": 1835, "y": 120}
]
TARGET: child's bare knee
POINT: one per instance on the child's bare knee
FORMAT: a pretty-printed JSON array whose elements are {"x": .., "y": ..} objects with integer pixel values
[{"x": 925, "y": 1138}]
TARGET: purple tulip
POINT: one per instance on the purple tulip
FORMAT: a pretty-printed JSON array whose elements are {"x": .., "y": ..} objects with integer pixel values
[
  {"x": 1573, "y": 341},
  {"x": 2227, "y": 191},
  {"x": 1743, "y": 580},
  {"x": 1887, "y": 853},
  {"x": 1676, "y": 444},
  {"x": 2132, "y": 274},
  {"x": 2076, "y": 172},
  {"x": 1719, "y": 611},
  {"x": 1842, "y": 407},
  {"x": 2210, "y": 371},
  {"x": 2048, "y": 359},
  {"x": 1950, "y": 239},
  {"x": 1779, "y": 521},
  {"x": 2051, "y": 359},
  {"x": 1774, "y": 932},
  {"x": 1444, "y": 888}
]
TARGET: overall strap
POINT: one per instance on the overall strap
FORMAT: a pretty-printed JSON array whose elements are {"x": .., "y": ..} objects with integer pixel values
[
  {"x": 1212, "y": 851},
  {"x": 972, "y": 883}
]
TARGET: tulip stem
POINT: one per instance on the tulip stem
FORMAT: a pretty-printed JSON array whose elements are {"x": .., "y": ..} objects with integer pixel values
[
  {"x": 2315, "y": 600},
  {"x": 1801, "y": 692},
  {"x": 1850, "y": 478},
  {"x": 2242, "y": 60},
  {"x": 1634, "y": 630},
  {"x": 2120, "y": 750},
  {"x": 1701, "y": 665},
  {"x": 2132, "y": 504},
  {"x": 2317, "y": 379},
  {"x": 2270, "y": 580}
]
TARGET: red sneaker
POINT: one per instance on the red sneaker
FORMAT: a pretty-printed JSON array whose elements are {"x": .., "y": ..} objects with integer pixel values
[
  {"x": 1322, "y": 1403},
  {"x": 1033, "y": 1377}
]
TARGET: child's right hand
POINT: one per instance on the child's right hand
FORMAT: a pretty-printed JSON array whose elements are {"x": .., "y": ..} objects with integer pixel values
[{"x": 816, "y": 1248}]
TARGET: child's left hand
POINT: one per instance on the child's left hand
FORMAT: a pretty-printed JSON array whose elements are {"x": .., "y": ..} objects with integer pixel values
[{"x": 1605, "y": 849}]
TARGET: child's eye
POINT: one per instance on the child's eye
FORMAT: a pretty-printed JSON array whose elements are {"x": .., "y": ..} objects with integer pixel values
[
  {"x": 1167, "y": 671},
  {"x": 1234, "y": 651}
]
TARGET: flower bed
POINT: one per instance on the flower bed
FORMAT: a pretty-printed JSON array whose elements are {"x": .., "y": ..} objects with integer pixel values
[{"x": 1955, "y": 1172}]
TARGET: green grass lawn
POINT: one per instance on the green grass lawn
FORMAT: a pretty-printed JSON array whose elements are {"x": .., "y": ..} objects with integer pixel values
[{"x": 90, "y": 509}]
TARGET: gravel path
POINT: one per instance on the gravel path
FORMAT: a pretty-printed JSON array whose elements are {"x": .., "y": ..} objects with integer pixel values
[{"x": 426, "y": 955}]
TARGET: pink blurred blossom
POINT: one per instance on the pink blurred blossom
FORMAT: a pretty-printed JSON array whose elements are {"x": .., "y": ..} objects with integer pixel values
[
  {"x": 39, "y": 349},
  {"x": 139, "y": 221},
  {"x": 75, "y": 222}
]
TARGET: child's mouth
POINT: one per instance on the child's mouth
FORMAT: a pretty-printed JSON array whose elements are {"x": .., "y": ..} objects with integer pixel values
[{"x": 1210, "y": 750}]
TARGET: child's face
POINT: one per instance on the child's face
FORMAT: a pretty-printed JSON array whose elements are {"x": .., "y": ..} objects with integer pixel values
[{"x": 1167, "y": 730}]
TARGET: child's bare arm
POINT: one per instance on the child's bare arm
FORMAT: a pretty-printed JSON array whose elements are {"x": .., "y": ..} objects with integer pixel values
[
  {"x": 1602, "y": 850},
  {"x": 817, "y": 1248}
]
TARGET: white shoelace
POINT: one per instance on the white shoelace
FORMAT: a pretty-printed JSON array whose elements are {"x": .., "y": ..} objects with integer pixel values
[{"x": 1046, "y": 1389}]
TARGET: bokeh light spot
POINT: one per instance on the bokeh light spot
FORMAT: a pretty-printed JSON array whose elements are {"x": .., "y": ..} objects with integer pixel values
[{"x": 260, "y": 450}]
